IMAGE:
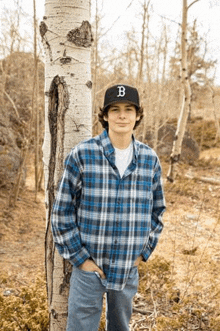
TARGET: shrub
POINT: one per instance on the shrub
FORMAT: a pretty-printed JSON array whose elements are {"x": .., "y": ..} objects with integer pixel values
[
  {"x": 25, "y": 309},
  {"x": 171, "y": 309}
]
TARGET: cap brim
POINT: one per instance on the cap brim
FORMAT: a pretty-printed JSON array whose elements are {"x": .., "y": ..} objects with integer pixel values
[{"x": 121, "y": 101}]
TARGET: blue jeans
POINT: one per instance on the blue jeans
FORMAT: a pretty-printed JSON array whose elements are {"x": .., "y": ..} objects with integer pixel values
[{"x": 86, "y": 299}]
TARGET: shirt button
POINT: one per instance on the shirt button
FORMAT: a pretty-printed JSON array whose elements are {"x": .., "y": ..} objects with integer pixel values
[{"x": 116, "y": 241}]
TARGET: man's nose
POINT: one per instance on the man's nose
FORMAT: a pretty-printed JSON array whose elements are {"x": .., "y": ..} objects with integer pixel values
[{"x": 122, "y": 114}]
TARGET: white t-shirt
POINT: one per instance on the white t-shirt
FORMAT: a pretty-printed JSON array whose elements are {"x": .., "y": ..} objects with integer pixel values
[{"x": 123, "y": 158}]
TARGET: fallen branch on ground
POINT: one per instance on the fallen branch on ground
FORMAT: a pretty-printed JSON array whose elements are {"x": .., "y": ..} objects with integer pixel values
[
  {"x": 141, "y": 311},
  {"x": 209, "y": 180}
]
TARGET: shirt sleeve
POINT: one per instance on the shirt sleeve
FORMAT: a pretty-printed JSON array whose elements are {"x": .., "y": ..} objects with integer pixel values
[
  {"x": 158, "y": 209},
  {"x": 64, "y": 215}
]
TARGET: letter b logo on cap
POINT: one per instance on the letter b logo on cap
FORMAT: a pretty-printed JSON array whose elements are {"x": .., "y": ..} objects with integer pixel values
[{"x": 121, "y": 91}]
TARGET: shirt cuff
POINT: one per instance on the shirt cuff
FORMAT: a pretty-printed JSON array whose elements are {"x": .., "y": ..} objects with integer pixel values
[
  {"x": 81, "y": 256},
  {"x": 146, "y": 253}
]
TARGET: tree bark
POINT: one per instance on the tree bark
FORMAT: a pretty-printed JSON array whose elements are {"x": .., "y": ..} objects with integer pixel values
[
  {"x": 141, "y": 63},
  {"x": 148, "y": 72},
  {"x": 67, "y": 38},
  {"x": 181, "y": 126},
  {"x": 95, "y": 69},
  {"x": 217, "y": 136},
  {"x": 35, "y": 108}
]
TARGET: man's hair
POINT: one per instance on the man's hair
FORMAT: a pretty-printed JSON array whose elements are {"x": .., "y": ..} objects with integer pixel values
[{"x": 103, "y": 112}]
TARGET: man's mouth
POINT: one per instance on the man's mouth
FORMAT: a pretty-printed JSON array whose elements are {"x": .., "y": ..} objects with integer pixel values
[{"x": 122, "y": 123}]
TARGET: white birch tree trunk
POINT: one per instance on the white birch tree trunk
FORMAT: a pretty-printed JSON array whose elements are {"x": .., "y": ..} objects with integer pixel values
[
  {"x": 181, "y": 125},
  {"x": 67, "y": 38}
]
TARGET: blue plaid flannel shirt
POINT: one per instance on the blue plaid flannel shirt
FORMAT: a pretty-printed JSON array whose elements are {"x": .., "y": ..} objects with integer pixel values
[{"x": 99, "y": 215}]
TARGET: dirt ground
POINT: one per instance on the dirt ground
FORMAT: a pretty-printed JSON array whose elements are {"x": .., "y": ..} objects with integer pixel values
[
  {"x": 22, "y": 231},
  {"x": 190, "y": 240}
]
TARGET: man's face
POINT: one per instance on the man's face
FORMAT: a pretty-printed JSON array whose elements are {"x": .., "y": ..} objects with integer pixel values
[{"x": 121, "y": 118}]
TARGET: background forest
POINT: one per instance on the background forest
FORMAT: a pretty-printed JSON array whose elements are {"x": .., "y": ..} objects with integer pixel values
[{"x": 179, "y": 288}]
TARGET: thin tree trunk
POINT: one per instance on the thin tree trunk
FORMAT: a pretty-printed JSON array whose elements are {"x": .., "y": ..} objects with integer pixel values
[
  {"x": 140, "y": 69},
  {"x": 95, "y": 68},
  {"x": 159, "y": 120},
  {"x": 14, "y": 196},
  {"x": 2, "y": 83},
  {"x": 148, "y": 85},
  {"x": 35, "y": 102},
  {"x": 217, "y": 136},
  {"x": 181, "y": 126},
  {"x": 67, "y": 38}
]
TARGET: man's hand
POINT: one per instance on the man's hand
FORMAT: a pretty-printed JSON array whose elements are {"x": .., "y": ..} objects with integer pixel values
[
  {"x": 90, "y": 266},
  {"x": 138, "y": 260}
]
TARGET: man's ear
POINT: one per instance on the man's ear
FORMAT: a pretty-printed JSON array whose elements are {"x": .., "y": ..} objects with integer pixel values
[{"x": 105, "y": 117}]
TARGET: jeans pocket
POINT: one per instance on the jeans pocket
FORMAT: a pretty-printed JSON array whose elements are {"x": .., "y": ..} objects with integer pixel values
[
  {"x": 88, "y": 273},
  {"x": 91, "y": 277},
  {"x": 133, "y": 271}
]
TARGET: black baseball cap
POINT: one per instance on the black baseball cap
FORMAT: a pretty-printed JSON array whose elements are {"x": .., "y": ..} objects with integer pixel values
[{"x": 121, "y": 93}]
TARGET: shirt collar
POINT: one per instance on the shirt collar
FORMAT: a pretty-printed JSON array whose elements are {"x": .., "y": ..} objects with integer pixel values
[{"x": 108, "y": 147}]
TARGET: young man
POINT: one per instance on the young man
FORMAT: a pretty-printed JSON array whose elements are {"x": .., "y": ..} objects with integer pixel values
[{"x": 107, "y": 216}]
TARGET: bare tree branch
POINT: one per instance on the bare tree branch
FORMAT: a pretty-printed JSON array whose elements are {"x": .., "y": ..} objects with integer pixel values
[
  {"x": 13, "y": 104},
  {"x": 168, "y": 19},
  {"x": 115, "y": 21},
  {"x": 192, "y": 4}
]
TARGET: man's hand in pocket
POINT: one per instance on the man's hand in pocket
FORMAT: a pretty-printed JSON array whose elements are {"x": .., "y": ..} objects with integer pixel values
[{"x": 90, "y": 266}]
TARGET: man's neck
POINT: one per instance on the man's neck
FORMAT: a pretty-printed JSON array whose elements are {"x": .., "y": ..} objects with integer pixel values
[{"x": 120, "y": 141}]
